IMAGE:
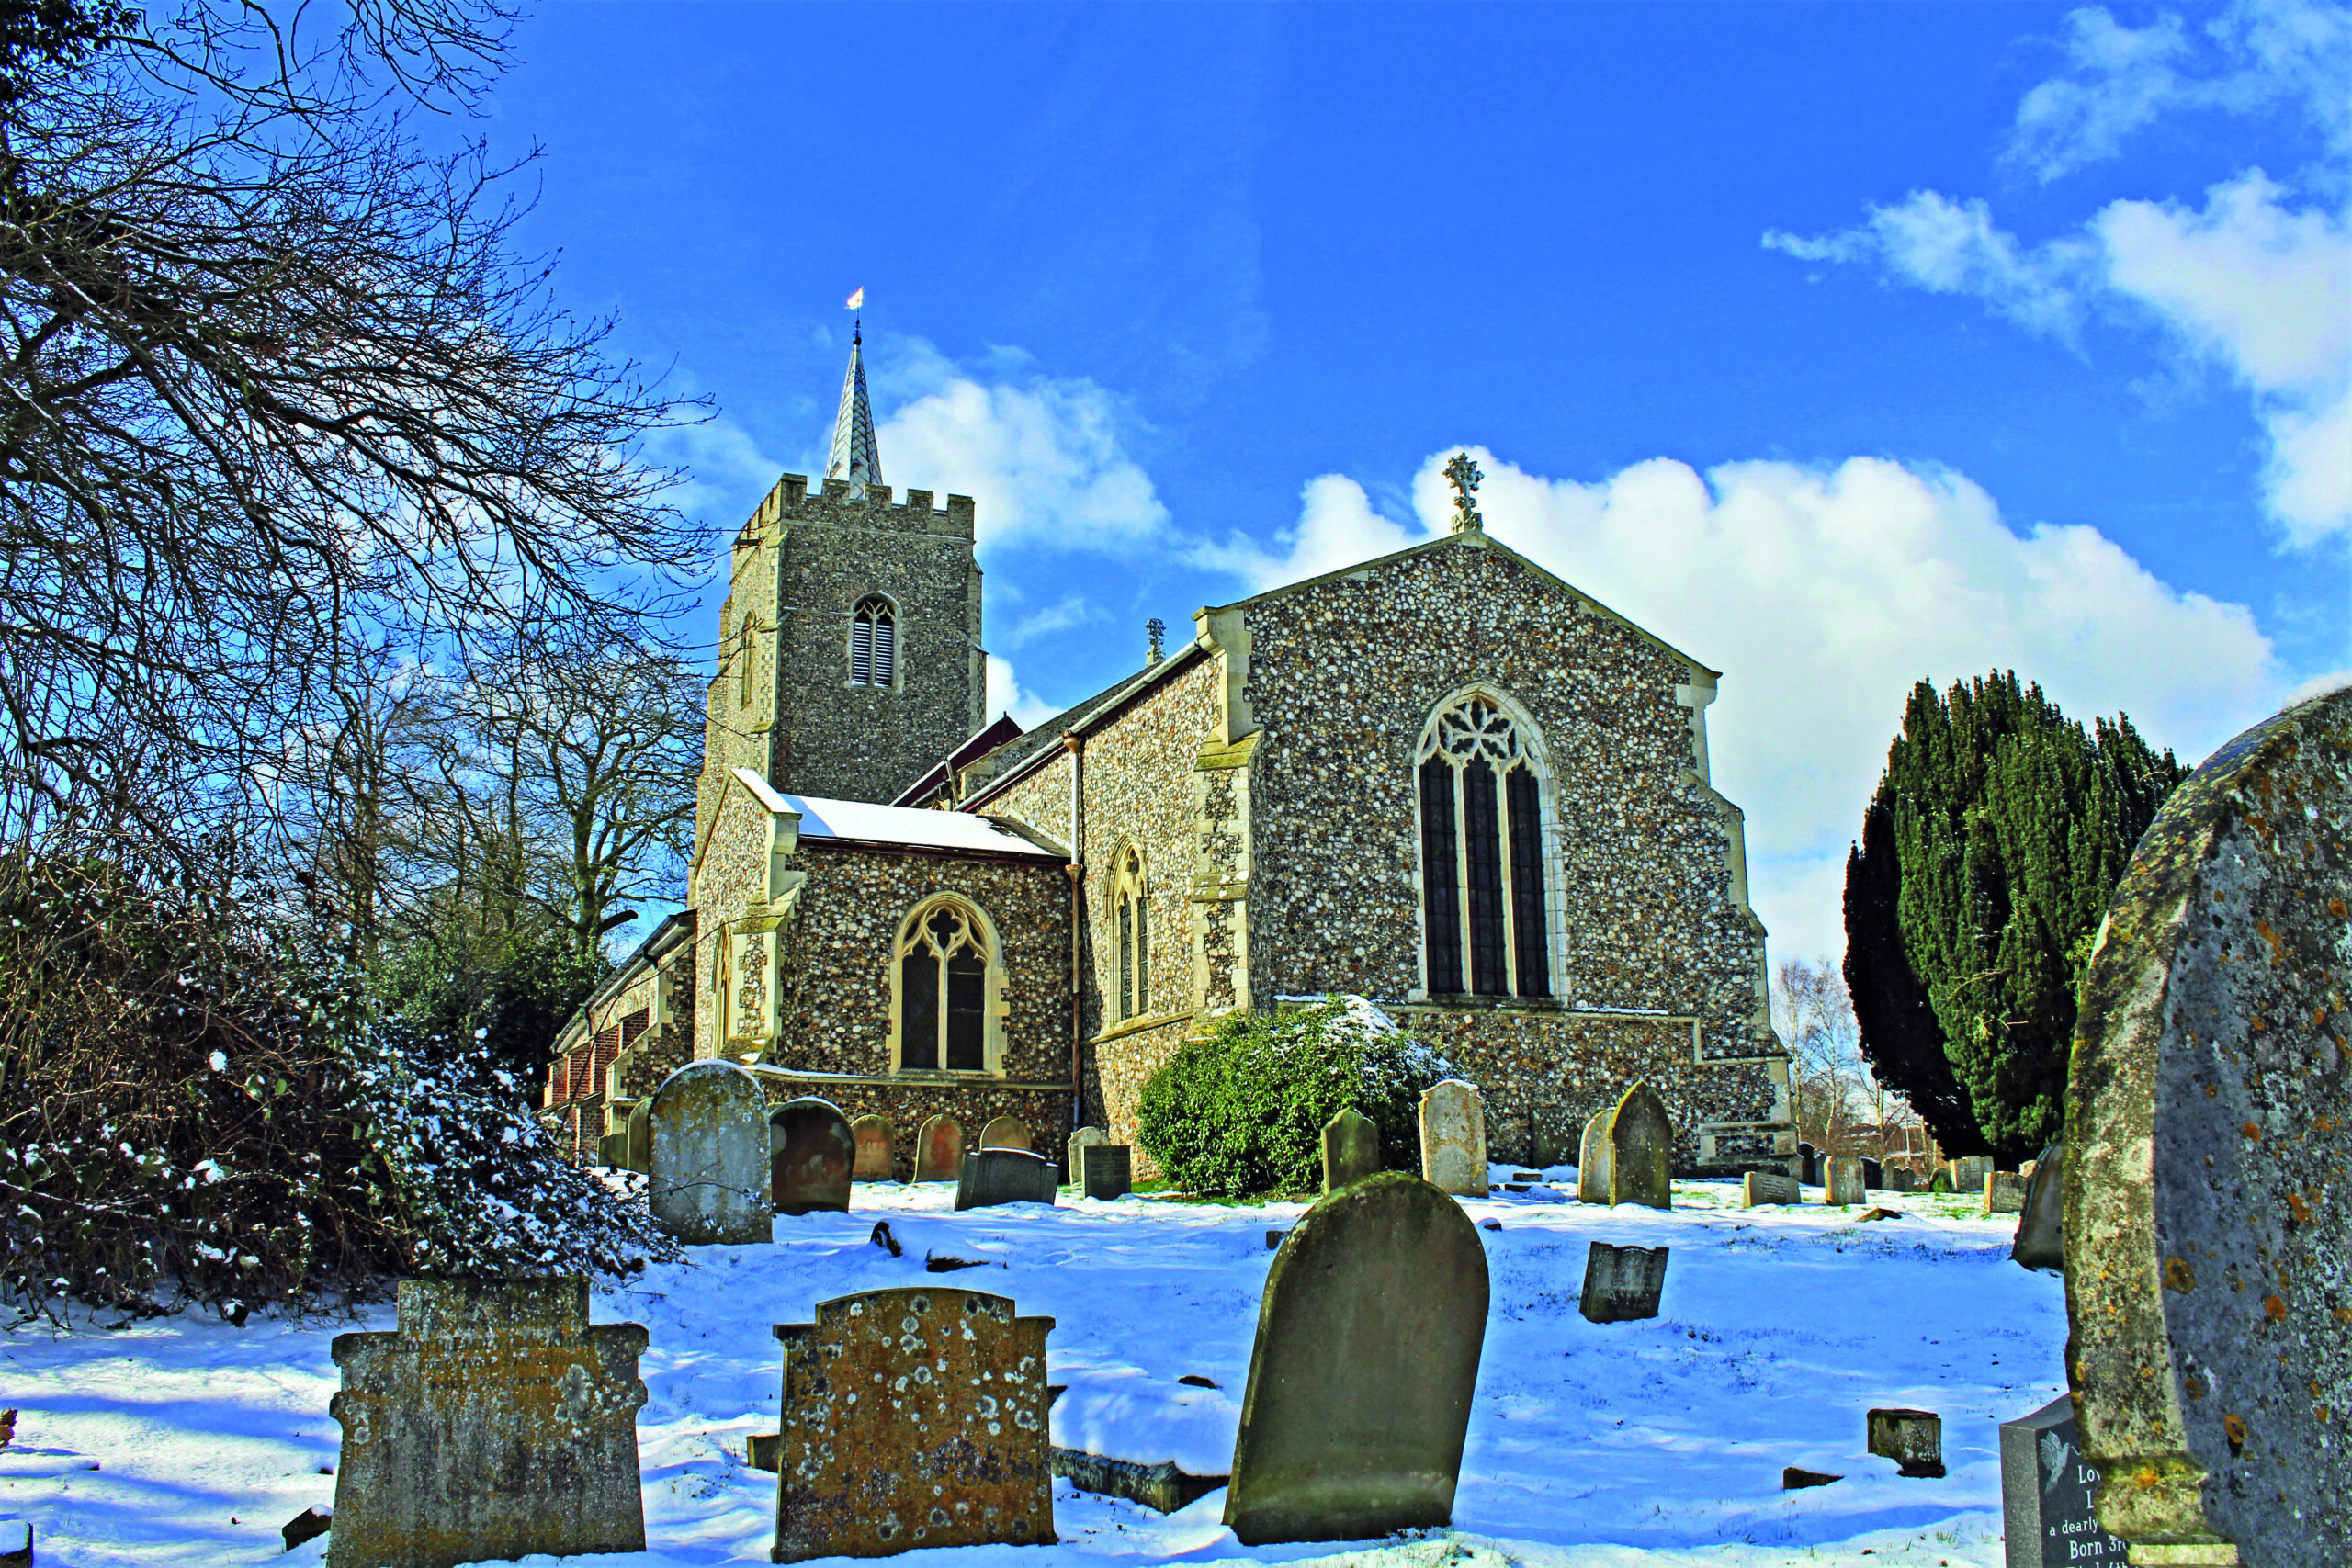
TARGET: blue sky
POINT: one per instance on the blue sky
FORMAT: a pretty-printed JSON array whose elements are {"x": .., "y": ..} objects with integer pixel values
[{"x": 1840, "y": 346}]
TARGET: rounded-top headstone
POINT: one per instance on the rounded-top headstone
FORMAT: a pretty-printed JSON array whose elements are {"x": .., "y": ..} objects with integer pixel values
[
  {"x": 708, "y": 1170},
  {"x": 1454, "y": 1138},
  {"x": 2207, "y": 1103},
  {"x": 877, "y": 1148},
  {"x": 1351, "y": 1148},
  {"x": 1085, "y": 1137},
  {"x": 939, "y": 1150},
  {"x": 1592, "y": 1160},
  {"x": 814, "y": 1150},
  {"x": 1005, "y": 1133},
  {"x": 1641, "y": 1150}
]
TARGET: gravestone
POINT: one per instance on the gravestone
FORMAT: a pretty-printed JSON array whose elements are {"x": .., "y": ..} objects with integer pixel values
[
  {"x": 1841, "y": 1177},
  {"x": 1914, "y": 1440},
  {"x": 1808, "y": 1165},
  {"x": 1552, "y": 1137},
  {"x": 709, "y": 1156},
  {"x": 1641, "y": 1150},
  {"x": 640, "y": 1136},
  {"x": 494, "y": 1423},
  {"x": 876, "y": 1155},
  {"x": 814, "y": 1149},
  {"x": 2207, "y": 1137},
  {"x": 1592, "y": 1160},
  {"x": 1621, "y": 1283},
  {"x": 2005, "y": 1193},
  {"x": 1005, "y": 1133},
  {"x": 2040, "y": 1239},
  {"x": 1454, "y": 1138},
  {"x": 2046, "y": 1493},
  {"x": 1006, "y": 1175},
  {"x": 939, "y": 1150},
  {"x": 1764, "y": 1186},
  {"x": 1874, "y": 1173},
  {"x": 1110, "y": 1171},
  {"x": 1366, "y": 1355},
  {"x": 1074, "y": 1166},
  {"x": 1899, "y": 1179},
  {"x": 912, "y": 1418},
  {"x": 1968, "y": 1172},
  {"x": 1351, "y": 1149},
  {"x": 1163, "y": 1487},
  {"x": 1940, "y": 1181}
]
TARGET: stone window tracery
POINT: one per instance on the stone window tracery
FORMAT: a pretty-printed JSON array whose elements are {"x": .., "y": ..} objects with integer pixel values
[
  {"x": 1130, "y": 914},
  {"x": 874, "y": 642},
  {"x": 947, "y": 982},
  {"x": 1483, "y": 865}
]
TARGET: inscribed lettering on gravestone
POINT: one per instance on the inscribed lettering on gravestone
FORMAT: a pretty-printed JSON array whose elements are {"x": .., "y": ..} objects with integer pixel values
[
  {"x": 939, "y": 1150},
  {"x": 1351, "y": 1149},
  {"x": 1005, "y": 1176},
  {"x": 1592, "y": 1160},
  {"x": 709, "y": 1173},
  {"x": 1641, "y": 1150},
  {"x": 1841, "y": 1179},
  {"x": 1074, "y": 1165},
  {"x": 1767, "y": 1187},
  {"x": 1110, "y": 1171},
  {"x": 1005, "y": 1133},
  {"x": 2207, "y": 1102},
  {"x": 877, "y": 1149},
  {"x": 912, "y": 1418},
  {"x": 1360, "y": 1382},
  {"x": 496, "y": 1423},
  {"x": 1454, "y": 1138},
  {"x": 814, "y": 1150},
  {"x": 2046, "y": 1493}
]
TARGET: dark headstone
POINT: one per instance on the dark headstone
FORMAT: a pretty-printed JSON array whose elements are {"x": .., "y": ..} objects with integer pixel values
[
  {"x": 1006, "y": 1175},
  {"x": 1641, "y": 1150},
  {"x": 17, "y": 1543},
  {"x": 813, "y": 1149},
  {"x": 939, "y": 1150},
  {"x": 1841, "y": 1178},
  {"x": 1795, "y": 1480},
  {"x": 1110, "y": 1171},
  {"x": 1914, "y": 1440},
  {"x": 877, "y": 1143},
  {"x": 2207, "y": 1137},
  {"x": 640, "y": 1136},
  {"x": 1621, "y": 1283},
  {"x": 1873, "y": 1174},
  {"x": 496, "y": 1423},
  {"x": 1005, "y": 1133},
  {"x": 1360, "y": 1381},
  {"x": 1901, "y": 1179},
  {"x": 1808, "y": 1165},
  {"x": 912, "y": 1418},
  {"x": 2046, "y": 1493},
  {"x": 1274, "y": 1239},
  {"x": 709, "y": 1167},
  {"x": 889, "y": 1243},
  {"x": 1552, "y": 1134},
  {"x": 1161, "y": 1486},
  {"x": 1592, "y": 1160},
  {"x": 1351, "y": 1149},
  {"x": 1940, "y": 1181},
  {"x": 1763, "y": 1187},
  {"x": 2041, "y": 1240},
  {"x": 308, "y": 1525}
]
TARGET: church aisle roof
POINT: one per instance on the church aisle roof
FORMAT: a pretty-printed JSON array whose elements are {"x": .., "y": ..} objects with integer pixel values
[{"x": 861, "y": 822}]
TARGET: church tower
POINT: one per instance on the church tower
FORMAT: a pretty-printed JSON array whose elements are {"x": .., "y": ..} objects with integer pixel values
[{"x": 850, "y": 656}]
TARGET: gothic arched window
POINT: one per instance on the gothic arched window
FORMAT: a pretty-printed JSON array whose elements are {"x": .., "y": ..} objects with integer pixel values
[
  {"x": 946, "y": 982},
  {"x": 1482, "y": 855},
  {"x": 1129, "y": 912},
  {"x": 874, "y": 642}
]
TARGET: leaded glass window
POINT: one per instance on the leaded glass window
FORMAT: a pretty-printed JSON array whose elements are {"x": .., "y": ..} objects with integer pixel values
[
  {"x": 1482, "y": 856},
  {"x": 943, "y": 965}
]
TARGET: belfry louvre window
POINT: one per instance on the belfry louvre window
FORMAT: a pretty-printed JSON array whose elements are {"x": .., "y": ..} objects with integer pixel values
[
  {"x": 1129, "y": 908},
  {"x": 943, "y": 960},
  {"x": 1482, "y": 856},
  {"x": 874, "y": 642}
]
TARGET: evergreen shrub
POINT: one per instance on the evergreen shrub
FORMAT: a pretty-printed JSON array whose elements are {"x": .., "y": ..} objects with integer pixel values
[{"x": 1243, "y": 1110}]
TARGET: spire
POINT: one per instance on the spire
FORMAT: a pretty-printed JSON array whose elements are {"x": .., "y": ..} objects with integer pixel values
[{"x": 854, "y": 457}]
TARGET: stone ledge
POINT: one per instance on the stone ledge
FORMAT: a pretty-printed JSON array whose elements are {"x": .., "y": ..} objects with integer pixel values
[{"x": 1139, "y": 1025}]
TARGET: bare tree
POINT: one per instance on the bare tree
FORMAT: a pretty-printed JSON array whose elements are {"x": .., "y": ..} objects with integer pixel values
[{"x": 1815, "y": 1018}]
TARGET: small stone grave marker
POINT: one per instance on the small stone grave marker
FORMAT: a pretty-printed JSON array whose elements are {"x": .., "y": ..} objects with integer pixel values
[
  {"x": 1351, "y": 1149},
  {"x": 1759, "y": 1186},
  {"x": 939, "y": 1150},
  {"x": 1808, "y": 1165},
  {"x": 1164, "y": 1487},
  {"x": 1592, "y": 1160},
  {"x": 1940, "y": 1181},
  {"x": 1110, "y": 1171},
  {"x": 877, "y": 1149},
  {"x": 1361, "y": 1379},
  {"x": 813, "y": 1150},
  {"x": 1454, "y": 1138},
  {"x": 1621, "y": 1283},
  {"x": 1874, "y": 1173},
  {"x": 1899, "y": 1179},
  {"x": 1074, "y": 1165},
  {"x": 1006, "y": 1175},
  {"x": 2041, "y": 1240},
  {"x": 494, "y": 1423},
  {"x": 1641, "y": 1150},
  {"x": 640, "y": 1136},
  {"x": 2046, "y": 1489},
  {"x": 1005, "y": 1133},
  {"x": 1552, "y": 1136},
  {"x": 1914, "y": 1440},
  {"x": 2005, "y": 1193},
  {"x": 1968, "y": 1173},
  {"x": 709, "y": 1165},
  {"x": 1842, "y": 1177},
  {"x": 913, "y": 1418}
]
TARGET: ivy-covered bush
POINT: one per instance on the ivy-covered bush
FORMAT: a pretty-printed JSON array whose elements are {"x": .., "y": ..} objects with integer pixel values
[{"x": 1243, "y": 1110}]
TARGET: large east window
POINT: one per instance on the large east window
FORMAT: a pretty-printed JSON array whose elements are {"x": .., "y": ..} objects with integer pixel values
[
  {"x": 947, "y": 980},
  {"x": 874, "y": 642},
  {"x": 1485, "y": 925}
]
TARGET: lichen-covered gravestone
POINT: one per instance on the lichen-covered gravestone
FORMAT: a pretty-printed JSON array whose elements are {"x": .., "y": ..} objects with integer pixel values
[
  {"x": 709, "y": 1168},
  {"x": 1360, "y": 1384},
  {"x": 2005, "y": 1193},
  {"x": 912, "y": 1418},
  {"x": 814, "y": 1149},
  {"x": 1454, "y": 1138},
  {"x": 1641, "y": 1150},
  {"x": 1841, "y": 1179},
  {"x": 1005, "y": 1133},
  {"x": 2208, "y": 1229},
  {"x": 1351, "y": 1149},
  {"x": 877, "y": 1149},
  {"x": 1968, "y": 1173},
  {"x": 939, "y": 1150},
  {"x": 496, "y": 1423},
  {"x": 640, "y": 1136},
  {"x": 1592, "y": 1160}
]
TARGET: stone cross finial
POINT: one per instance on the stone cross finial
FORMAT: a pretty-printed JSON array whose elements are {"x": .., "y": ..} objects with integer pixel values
[
  {"x": 1155, "y": 633},
  {"x": 1464, "y": 475}
]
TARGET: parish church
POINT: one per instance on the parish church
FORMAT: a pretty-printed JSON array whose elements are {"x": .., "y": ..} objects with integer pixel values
[{"x": 1443, "y": 779}]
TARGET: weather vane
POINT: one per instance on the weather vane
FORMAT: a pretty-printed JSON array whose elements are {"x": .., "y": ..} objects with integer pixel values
[{"x": 1465, "y": 477}]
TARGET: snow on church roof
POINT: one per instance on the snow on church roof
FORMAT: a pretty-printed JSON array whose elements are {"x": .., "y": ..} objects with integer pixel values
[{"x": 858, "y": 821}]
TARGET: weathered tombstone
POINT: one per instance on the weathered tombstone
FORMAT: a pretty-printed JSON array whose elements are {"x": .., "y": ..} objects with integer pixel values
[
  {"x": 1914, "y": 1440},
  {"x": 877, "y": 1149},
  {"x": 1454, "y": 1138},
  {"x": 1641, "y": 1150},
  {"x": 1899, "y": 1179},
  {"x": 1808, "y": 1165},
  {"x": 494, "y": 1423},
  {"x": 1764, "y": 1186},
  {"x": 612, "y": 1148},
  {"x": 1841, "y": 1177},
  {"x": 2005, "y": 1193},
  {"x": 1621, "y": 1283},
  {"x": 1366, "y": 1355},
  {"x": 710, "y": 1156},
  {"x": 2040, "y": 1238},
  {"x": 1874, "y": 1173},
  {"x": 1006, "y": 1175},
  {"x": 1968, "y": 1173},
  {"x": 1940, "y": 1181},
  {"x": 640, "y": 1136},
  {"x": 1592, "y": 1160},
  {"x": 912, "y": 1418},
  {"x": 2046, "y": 1493},
  {"x": 939, "y": 1150},
  {"x": 1552, "y": 1137},
  {"x": 1074, "y": 1166},
  {"x": 1005, "y": 1133},
  {"x": 2208, "y": 1107},
  {"x": 1351, "y": 1149},
  {"x": 1163, "y": 1487},
  {"x": 1110, "y": 1171},
  {"x": 813, "y": 1150}
]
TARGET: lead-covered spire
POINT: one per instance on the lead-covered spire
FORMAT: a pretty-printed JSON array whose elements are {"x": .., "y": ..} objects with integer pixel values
[{"x": 855, "y": 456}]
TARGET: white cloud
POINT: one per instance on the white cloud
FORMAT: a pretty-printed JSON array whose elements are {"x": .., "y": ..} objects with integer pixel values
[
  {"x": 1006, "y": 695},
  {"x": 1337, "y": 528},
  {"x": 1071, "y": 610},
  {"x": 1953, "y": 247},
  {"x": 1825, "y": 593}
]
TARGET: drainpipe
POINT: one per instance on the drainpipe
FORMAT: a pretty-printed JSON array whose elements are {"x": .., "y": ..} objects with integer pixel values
[{"x": 1076, "y": 746}]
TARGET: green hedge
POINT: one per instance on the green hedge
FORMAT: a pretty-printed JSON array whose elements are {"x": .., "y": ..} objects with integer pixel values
[{"x": 1243, "y": 1110}]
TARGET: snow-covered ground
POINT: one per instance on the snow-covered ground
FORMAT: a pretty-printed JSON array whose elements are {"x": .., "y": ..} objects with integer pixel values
[{"x": 1661, "y": 1443}]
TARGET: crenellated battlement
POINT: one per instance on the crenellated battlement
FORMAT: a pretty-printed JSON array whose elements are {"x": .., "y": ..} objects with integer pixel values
[{"x": 791, "y": 501}]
